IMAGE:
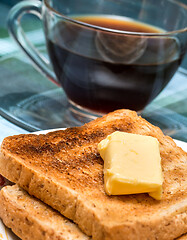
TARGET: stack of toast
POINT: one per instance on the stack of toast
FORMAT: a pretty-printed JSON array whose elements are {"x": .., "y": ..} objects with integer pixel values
[{"x": 63, "y": 170}]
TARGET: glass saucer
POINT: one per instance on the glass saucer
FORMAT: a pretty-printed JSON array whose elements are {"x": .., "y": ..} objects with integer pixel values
[{"x": 32, "y": 102}]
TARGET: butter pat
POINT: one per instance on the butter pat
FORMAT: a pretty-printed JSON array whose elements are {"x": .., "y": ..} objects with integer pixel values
[{"x": 132, "y": 164}]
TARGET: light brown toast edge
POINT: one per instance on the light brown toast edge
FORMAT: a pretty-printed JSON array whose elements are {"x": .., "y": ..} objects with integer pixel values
[
  {"x": 26, "y": 224},
  {"x": 78, "y": 211},
  {"x": 31, "y": 219}
]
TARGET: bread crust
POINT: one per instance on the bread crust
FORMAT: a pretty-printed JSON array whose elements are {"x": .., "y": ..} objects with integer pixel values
[
  {"x": 64, "y": 170},
  {"x": 31, "y": 219}
]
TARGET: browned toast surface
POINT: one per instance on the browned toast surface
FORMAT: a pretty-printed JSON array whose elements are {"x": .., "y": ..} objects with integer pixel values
[
  {"x": 31, "y": 219},
  {"x": 64, "y": 169}
]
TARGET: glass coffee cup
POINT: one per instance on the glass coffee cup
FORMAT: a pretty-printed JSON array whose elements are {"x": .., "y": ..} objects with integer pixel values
[{"x": 106, "y": 55}]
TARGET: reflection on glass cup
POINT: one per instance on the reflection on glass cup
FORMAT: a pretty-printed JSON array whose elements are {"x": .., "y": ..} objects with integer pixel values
[{"x": 107, "y": 54}]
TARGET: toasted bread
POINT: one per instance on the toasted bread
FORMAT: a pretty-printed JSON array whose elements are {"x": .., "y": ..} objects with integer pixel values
[
  {"x": 31, "y": 219},
  {"x": 64, "y": 170}
]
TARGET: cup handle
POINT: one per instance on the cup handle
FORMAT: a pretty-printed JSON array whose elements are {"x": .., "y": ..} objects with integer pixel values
[{"x": 16, "y": 31}]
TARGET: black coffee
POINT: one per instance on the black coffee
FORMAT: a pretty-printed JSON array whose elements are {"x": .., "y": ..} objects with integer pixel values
[{"x": 104, "y": 71}]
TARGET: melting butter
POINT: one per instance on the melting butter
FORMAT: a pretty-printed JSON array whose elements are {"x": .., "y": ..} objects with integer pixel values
[{"x": 132, "y": 164}]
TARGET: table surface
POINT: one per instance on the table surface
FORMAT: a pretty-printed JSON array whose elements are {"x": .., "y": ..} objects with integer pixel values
[{"x": 168, "y": 110}]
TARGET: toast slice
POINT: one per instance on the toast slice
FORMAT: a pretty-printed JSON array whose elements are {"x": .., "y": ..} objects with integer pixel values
[
  {"x": 64, "y": 170},
  {"x": 31, "y": 219}
]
